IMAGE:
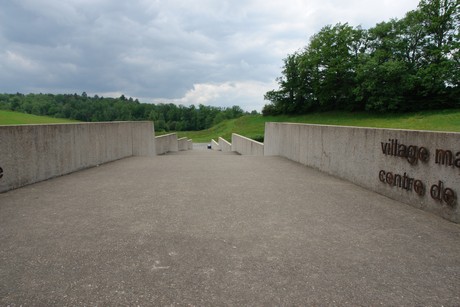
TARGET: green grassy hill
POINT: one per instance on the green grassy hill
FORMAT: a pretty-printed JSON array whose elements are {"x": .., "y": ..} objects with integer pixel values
[
  {"x": 16, "y": 118},
  {"x": 253, "y": 125}
]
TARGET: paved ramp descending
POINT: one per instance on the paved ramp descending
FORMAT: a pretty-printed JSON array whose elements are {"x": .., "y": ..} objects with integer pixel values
[{"x": 205, "y": 228}]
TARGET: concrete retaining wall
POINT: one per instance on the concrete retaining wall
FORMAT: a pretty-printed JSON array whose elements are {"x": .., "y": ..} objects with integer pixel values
[
  {"x": 214, "y": 145},
  {"x": 166, "y": 143},
  {"x": 224, "y": 145},
  {"x": 246, "y": 146},
  {"x": 414, "y": 169},
  {"x": 182, "y": 144},
  {"x": 32, "y": 153},
  {"x": 190, "y": 144}
]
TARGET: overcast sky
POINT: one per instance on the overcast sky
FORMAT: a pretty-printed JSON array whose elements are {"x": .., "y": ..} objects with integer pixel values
[{"x": 219, "y": 53}]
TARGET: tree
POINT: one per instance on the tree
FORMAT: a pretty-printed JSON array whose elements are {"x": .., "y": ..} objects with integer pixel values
[
  {"x": 382, "y": 72},
  {"x": 398, "y": 65},
  {"x": 81, "y": 107},
  {"x": 440, "y": 73},
  {"x": 333, "y": 54}
]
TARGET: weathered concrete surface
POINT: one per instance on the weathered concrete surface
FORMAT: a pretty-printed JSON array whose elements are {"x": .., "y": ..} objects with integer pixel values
[
  {"x": 31, "y": 153},
  {"x": 246, "y": 146},
  {"x": 143, "y": 138},
  {"x": 214, "y": 145},
  {"x": 224, "y": 145},
  {"x": 166, "y": 143},
  {"x": 182, "y": 144},
  {"x": 200, "y": 147},
  {"x": 356, "y": 154},
  {"x": 208, "y": 228}
]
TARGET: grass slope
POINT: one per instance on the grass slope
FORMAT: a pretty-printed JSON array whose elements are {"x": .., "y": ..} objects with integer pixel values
[
  {"x": 16, "y": 118},
  {"x": 253, "y": 125}
]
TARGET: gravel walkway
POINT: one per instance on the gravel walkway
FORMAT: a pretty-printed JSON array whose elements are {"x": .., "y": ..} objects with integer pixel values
[{"x": 204, "y": 228}]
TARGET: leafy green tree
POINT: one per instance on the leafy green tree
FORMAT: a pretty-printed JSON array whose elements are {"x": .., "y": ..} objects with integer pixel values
[
  {"x": 85, "y": 108},
  {"x": 398, "y": 65},
  {"x": 334, "y": 52},
  {"x": 382, "y": 71},
  {"x": 440, "y": 71}
]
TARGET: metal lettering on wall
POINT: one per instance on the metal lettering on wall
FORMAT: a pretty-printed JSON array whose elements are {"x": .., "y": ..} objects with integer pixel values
[{"x": 413, "y": 154}]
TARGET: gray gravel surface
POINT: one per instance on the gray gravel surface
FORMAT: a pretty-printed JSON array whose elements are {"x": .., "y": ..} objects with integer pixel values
[{"x": 213, "y": 229}]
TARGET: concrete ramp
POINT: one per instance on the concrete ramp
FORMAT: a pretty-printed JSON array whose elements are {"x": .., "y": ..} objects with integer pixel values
[{"x": 219, "y": 229}]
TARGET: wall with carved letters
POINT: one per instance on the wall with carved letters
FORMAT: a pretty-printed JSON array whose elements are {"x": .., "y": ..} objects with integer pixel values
[
  {"x": 32, "y": 153},
  {"x": 421, "y": 168}
]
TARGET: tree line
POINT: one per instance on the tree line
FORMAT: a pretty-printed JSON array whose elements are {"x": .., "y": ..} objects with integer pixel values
[
  {"x": 400, "y": 65},
  {"x": 166, "y": 117}
]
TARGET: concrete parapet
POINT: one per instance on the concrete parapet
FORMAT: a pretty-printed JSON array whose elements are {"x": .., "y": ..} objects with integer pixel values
[
  {"x": 182, "y": 144},
  {"x": 32, "y": 153},
  {"x": 143, "y": 139},
  {"x": 246, "y": 146},
  {"x": 190, "y": 144},
  {"x": 420, "y": 168},
  {"x": 166, "y": 143},
  {"x": 214, "y": 145},
  {"x": 224, "y": 145}
]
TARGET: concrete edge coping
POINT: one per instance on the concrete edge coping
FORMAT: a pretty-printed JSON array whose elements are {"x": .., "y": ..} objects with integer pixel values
[
  {"x": 79, "y": 123},
  {"x": 246, "y": 138},
  {"x": 214, "y": 145},
  {"x": 181, "y": 139},
  {"x": 164, "y": 135},
  {"x": 361, "y": 127},
  {"x": 225, "y": 141}
]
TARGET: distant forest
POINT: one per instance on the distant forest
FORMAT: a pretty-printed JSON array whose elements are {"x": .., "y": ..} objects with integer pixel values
[
  {"x": 166, "y": 117},
  {"x": 402, "y": 65}
]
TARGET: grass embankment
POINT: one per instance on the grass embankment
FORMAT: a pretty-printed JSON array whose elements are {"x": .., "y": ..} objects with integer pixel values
[
  {"x": 16, "y": 118},
  {"x": 252, "y": 126}
]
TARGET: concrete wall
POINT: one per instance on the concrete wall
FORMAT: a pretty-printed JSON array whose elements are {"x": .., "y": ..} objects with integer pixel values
[
  {"x": 143, "y": 134},
  {"x": 182, "y": 144},
  {"x": 214, "y": 145},
  {"x": 356, "y": 154},
  {"x": 246, "y": 146},
  {"x": 32, "y": 153},
  {"x": 166, "y": 143},
  {"x": 224, "y": 145},
  {"x": 190, "y": 144}
]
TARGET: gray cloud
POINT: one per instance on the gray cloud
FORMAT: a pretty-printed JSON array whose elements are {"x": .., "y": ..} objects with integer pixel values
[{"x": 205, "y": 51}]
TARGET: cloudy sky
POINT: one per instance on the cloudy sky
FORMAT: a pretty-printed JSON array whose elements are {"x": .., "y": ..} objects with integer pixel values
[{"x": 213, "y": 52}]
